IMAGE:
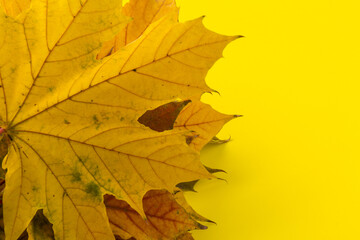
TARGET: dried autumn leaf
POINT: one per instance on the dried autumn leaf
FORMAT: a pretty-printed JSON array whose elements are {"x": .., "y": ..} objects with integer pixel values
[
  {"x": 72, "y": 121},
  {"x": 166, "y": 219}
]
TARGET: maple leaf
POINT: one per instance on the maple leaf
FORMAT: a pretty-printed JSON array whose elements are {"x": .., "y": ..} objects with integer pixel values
[
  {"x": 166, "y": 219},
  {"x": 72, "y": 123}
]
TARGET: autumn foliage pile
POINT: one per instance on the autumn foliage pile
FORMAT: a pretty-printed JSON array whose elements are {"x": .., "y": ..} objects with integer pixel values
[{"x": 101, "y": 122}]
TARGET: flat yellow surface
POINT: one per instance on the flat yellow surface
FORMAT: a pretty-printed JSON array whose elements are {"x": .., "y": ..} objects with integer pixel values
[{"x": 293, "y": 165}]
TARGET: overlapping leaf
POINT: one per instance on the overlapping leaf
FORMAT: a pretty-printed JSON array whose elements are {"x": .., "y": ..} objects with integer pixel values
[
  {"x": 143, "y": 14},
  {"x": 72, "y": 120},
  {"x": 166, "y": 219}
]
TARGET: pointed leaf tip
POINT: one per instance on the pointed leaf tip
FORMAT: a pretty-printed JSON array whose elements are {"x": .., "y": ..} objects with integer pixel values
[
  {"x": 222, "y": 179},
  {"x": 202, "y": 227},
  {"x": 215, "y": 91},
  {"x": 214, "y": 170}
]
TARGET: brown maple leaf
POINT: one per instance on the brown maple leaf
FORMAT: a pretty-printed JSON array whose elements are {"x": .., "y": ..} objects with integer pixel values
[{"x": 165, "y": 218}]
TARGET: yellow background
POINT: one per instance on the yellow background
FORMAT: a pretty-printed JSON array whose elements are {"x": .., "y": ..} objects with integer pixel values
[{"x": 293, "y": 165}]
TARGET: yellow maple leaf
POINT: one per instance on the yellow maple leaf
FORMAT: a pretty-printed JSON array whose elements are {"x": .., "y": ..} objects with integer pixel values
[{"x": 71, "y": 121}]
